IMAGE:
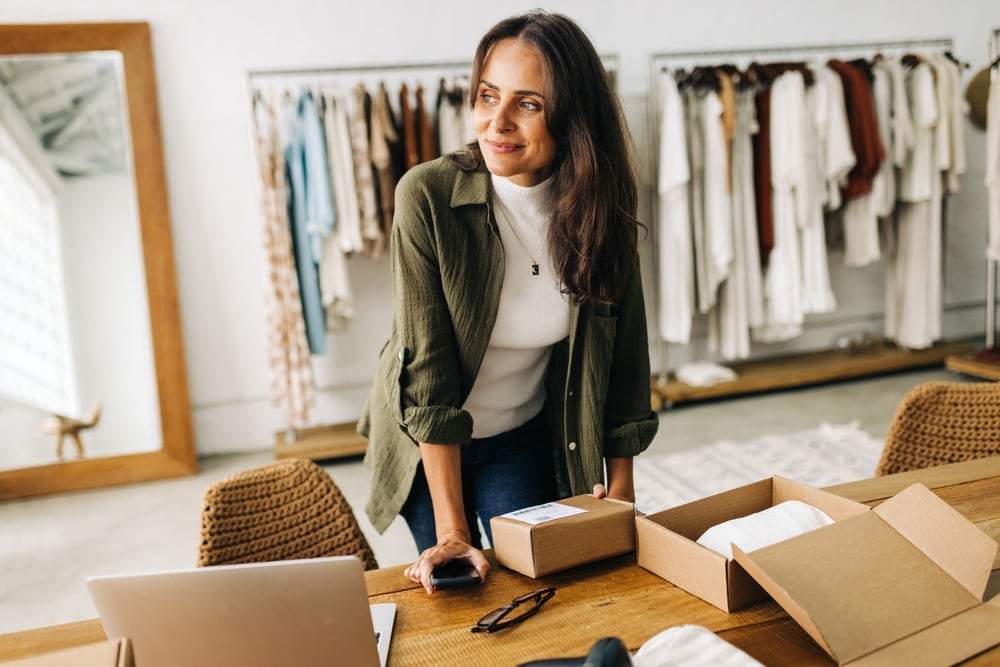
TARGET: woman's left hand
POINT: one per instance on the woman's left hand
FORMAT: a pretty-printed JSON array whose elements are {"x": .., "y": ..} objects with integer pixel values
[{"x": 600, "y": 491}]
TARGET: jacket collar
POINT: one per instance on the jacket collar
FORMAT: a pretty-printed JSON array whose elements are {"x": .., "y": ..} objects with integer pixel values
[{"x": 471, "y": 187}]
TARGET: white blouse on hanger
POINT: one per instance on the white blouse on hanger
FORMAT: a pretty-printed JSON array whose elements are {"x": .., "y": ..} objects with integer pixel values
[{"x": 676, "y": 279}]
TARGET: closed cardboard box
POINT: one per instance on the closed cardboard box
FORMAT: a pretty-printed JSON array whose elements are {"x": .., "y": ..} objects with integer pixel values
[
  {"x": 111, "y": 653},
  {"x": 537, "y": 541},
  {"x": 900, "y": 585},
  {"x": 667, "y": 540}
]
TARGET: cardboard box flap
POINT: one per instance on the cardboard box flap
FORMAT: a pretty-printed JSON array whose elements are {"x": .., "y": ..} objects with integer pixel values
[
  {"x": 856, "y": 586},
  {"x": 947, "y": 643},
  {"x": 957, "y": 545}
]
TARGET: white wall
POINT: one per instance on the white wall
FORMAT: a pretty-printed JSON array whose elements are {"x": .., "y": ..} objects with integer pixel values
[{"x": 204, "y": 48}]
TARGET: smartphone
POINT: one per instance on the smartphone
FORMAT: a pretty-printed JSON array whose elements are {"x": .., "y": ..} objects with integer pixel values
[{"x": 454, "y": 573}]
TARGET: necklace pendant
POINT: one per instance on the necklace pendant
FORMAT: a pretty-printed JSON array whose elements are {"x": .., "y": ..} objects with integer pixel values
[{"x": 534, "y": 268}]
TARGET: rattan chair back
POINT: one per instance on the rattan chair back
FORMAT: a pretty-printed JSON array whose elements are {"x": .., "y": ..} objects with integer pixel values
[
  {"x": 943, "y": 422},
  {"x": 284, "y": 510}
]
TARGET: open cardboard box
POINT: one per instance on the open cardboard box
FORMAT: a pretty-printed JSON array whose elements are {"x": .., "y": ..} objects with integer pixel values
[
  {"x": 110, "y": 653},
  {"x": 668, "y": 547},
  {"x": 538, "y": 549},
  {"x": 902, "y": 584}
]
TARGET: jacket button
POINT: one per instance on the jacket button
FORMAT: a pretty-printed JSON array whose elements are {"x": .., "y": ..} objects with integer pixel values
[
  {"x": 572, "y": 446},
  {"x": 400, "y": 355}
]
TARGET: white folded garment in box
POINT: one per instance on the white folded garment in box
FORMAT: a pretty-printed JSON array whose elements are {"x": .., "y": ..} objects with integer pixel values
[
  {"x": 760, "y": 529},
  {"x": 690, "y": 646}
]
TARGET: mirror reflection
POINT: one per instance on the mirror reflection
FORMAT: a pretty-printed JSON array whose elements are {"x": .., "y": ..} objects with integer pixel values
[{"x": 77, "y": 375}]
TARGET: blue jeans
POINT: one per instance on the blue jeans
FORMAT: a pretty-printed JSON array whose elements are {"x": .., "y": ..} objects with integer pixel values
[{"x": 500, "y": 474}]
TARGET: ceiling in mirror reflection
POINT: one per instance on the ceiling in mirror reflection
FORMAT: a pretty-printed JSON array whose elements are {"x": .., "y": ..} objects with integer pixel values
[{"x": 72, "y": 105}]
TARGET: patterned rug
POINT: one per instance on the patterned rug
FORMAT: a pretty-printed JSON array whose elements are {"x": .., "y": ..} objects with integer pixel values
[{"x": 829, "y": 454}]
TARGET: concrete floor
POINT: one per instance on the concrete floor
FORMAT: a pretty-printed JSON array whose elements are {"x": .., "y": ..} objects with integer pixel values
[{"x": 48, "y": 546}]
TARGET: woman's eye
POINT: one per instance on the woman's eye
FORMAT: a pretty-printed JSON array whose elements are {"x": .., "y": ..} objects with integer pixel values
[
  {"x": 487, "y": 97},
  {"x": 530, "y": 105}
]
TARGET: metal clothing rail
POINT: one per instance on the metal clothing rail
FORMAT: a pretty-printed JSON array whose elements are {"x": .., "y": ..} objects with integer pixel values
[
  {"x": 768, "y": 51},
  {"x": 659, "y": 61},
  {"x": 610, "y": 61}
]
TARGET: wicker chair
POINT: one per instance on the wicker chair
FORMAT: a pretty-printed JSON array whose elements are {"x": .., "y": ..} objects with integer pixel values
[
  {"x": 943, "y": 422},
  {"x": 284, "y": 510}
]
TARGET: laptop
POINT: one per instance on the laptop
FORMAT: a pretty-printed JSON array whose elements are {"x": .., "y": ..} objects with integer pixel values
[{"x": 312, "y": 612}]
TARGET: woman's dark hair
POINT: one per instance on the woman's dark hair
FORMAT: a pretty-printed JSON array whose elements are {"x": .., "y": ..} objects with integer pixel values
[{"x": 593, "y": 237}]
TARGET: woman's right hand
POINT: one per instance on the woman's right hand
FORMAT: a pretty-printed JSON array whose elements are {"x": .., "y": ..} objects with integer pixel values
[{"x": 449, "y": 547}]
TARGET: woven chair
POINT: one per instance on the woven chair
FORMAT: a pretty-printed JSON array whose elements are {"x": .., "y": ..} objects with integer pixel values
[
  {"x": 285, "y": 510},
  {"x": 942, "y": 422}
]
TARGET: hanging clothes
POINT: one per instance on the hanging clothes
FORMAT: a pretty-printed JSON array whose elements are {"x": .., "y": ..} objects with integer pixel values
[
  {"x": 345, "y": 239},
  {"x": 858, "y": 217},
  {"x": 364, "y": 174},
  {"x": 454, "y": 117},
  {"x": 749, "y": 270},
  {"x": 718, "y": 206},
  {"x": 913, "y": 275},
  {"x": 729, "y": 323},
  {"x": 783, "y": 312},
  {"x": 762, "y": 167},
  {"x": 428, "y": 147},
  {"x": 342, "y": 173},
  {"x": 384, "y": 141},
  {"x": 817, "y": 295},
  {"x": 310, "y": 210},
  {"x": 289, "y": 364},
  {"x": 675, "y": 291},
  {"x": 696, "y": 188}
]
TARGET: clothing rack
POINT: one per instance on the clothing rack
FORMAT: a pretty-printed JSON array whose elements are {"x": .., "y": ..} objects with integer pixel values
[
  {"x": 796, "y": 369},
  {"x": 334, "y": 440},
  {"x": 985, "y": 363}
]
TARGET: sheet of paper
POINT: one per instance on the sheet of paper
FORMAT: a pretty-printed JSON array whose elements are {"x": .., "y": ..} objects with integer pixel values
[{"x": 542, "y": 513}]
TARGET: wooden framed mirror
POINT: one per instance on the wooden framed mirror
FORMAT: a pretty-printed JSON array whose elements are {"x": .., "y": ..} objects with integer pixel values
[{"x": 132, "y": 340}]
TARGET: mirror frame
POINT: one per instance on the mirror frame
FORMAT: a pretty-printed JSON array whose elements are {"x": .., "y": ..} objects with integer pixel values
[{"x": 177, "y": 455}]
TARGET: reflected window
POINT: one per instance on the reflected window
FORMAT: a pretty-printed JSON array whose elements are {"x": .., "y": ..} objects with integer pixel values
[{"x": 36, "y": 364}]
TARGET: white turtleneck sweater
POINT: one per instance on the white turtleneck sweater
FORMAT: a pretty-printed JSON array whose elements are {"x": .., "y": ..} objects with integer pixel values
[{"x": 533, "y": 314}]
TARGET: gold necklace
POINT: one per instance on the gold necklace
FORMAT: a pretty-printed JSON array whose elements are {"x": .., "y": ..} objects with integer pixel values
[{"x": 498, "y": 206}]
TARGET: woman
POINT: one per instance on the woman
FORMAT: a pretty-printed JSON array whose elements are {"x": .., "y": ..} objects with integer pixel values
[{"x": 517, "y": 369}]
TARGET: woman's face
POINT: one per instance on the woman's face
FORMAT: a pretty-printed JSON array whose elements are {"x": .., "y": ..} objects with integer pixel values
[{"x": 509, "y": 114}]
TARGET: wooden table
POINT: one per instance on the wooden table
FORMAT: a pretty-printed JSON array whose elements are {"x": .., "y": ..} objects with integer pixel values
[{"x": 611, "y": 598}]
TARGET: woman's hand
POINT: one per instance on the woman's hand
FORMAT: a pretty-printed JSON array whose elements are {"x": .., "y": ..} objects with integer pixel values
[
  {"x": 449, "y": 547},
  {"x": 620, "y": 482}
]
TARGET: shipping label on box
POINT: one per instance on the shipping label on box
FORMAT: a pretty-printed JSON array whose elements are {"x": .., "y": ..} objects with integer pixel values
[
  {"x": 544, "y": 539},
  {"x": 667, "y": 541},
  {"x": 902, "y": 584}
]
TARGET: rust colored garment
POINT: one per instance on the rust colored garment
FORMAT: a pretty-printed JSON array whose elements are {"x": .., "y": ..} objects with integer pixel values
[
  {"x": 863, "y": 121},
  {"x": 762, "y": 176},
  {"x": 428, "y": 144}
]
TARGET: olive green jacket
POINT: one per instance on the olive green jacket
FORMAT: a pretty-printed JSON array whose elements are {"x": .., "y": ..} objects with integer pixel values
[{"x": 448, "y": 267}]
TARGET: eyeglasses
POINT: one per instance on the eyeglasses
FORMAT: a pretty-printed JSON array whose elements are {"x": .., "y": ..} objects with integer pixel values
[{"x": 494, "y": 620}]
